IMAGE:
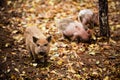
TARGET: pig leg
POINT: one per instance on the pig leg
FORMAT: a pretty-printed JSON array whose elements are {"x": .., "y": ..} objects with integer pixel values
[
  {"x": 45, "y": 60},
  {"x": 66, "y": 36},
  {"x": 75, "y": 35},
  {"x": 85, "y": 23},
  {"x": 32, "y": 53}
]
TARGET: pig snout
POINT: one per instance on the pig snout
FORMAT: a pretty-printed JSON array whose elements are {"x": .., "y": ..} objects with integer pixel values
[
  {"x": 42, "y": 52},
  {"x": 86, "y": 36}
]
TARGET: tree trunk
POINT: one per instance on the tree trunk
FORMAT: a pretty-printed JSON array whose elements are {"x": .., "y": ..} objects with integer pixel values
[
  {"x": 3, "y": 3},
  {"x": 103, "y": 18}
]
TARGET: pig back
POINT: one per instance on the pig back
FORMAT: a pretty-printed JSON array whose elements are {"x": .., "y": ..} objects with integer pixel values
[
  {"x": 76, "y": 30},
  {"x": 72, "y": 28},
  {"x": 34, "y": 31},
  {"x": 85, "y": 16},
  {"x": 85, "y": 12},
  {"x": 82, "y": 33},
  {"x": 63, "y": 23},
  {"x": 31, "y": 32}
]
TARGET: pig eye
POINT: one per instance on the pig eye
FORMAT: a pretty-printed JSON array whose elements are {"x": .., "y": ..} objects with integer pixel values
[
  {"x": 38, "y": 45},
  {"x": 75, "y": 26},
  {"x": 45, "y": 44}
]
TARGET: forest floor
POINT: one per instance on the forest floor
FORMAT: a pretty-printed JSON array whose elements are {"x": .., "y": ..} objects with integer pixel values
[{"x": 98, "y": 60}]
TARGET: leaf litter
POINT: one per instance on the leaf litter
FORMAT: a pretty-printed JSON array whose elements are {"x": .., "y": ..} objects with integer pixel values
[{"x": 68, "y": 60}]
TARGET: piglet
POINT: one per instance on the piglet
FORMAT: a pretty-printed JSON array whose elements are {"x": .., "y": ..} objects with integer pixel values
[
  {"x": 73, "y": 30},
  {"x": 88, "y": 18},
  {"x": 37, "y": 43}
]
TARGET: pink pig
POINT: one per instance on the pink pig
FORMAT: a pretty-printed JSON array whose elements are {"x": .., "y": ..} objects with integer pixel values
[
  {"x": 88, "y": 17},
  {"x": 74, "y": 30}
]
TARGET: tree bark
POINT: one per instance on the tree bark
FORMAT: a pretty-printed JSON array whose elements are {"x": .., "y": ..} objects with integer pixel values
[
  {"x": 103, "y": 18},
  {"x": 3, "y": 3}
]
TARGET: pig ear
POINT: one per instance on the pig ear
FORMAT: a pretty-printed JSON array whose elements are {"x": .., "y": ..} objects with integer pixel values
[
  {"x": 35, "y": 39},
  {"x": 49, "y": 38},
  {"x": 80, "y": 18}
]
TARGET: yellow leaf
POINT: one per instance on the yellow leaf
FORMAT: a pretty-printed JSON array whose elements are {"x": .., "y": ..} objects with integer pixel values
[
  {"x": 82, "y": 49},
  {"x": 34, "y": 64},
  {"x": 70, "y": 68},
  {"x": 112, "y": 41},
  {"x": 7, "y": 44},
  {"x": 77, "y": 75},
  {"x": 106, "y": 78},
  {"x": 92, "y": 52},
  {"x": 13, "y": 53},
  {"x": 13, "y": 77},
  {"x": 32, "y": 10},
  {"x": 95, "y": 73},
  {"x": 15, "y": 31},
  {"x": 9, "y": 2},
  {"x": 60, "y": 62},
  {"x": 16, "y": 69},
  {"x": 97, "y": 62},
  {"x": 18, "y": 37},
  {"x": 93, "y": 37}
]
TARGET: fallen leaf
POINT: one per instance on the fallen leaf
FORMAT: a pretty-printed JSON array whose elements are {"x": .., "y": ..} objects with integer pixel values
[
  {"x": 92, "y": 53},
  {"x": 106, "y": 78},
  {"x": 59, "y": 62}
]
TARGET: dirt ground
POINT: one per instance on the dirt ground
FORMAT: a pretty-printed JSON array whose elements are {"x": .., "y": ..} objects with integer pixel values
[{"x": 98, "y": 60}]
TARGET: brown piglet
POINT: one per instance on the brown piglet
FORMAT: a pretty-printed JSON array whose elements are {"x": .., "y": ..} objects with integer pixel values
[{"x": 37, "y": 43}]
